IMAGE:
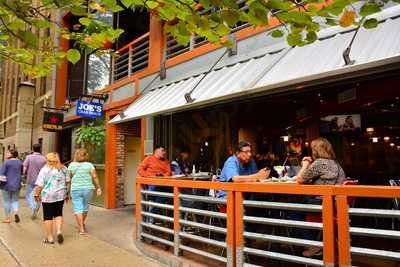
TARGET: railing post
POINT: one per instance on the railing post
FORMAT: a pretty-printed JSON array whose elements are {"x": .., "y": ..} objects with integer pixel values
[
  {"x": 343, "y": 231},
  {"x": 176, "y": 222},
  {"x": 239, "y": 228},
  {"x": 328, "y": 231},
  {"x": 130, "y": 61},
  {"x": 138, "y": 209},
  {"x": 112, "y": 68},
  {"x": 192, "y": 42},
  {"x": 230, "y": 235}
]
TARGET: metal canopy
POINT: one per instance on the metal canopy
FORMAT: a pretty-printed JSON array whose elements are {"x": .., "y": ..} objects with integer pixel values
[{"x": 288, "y": 67}]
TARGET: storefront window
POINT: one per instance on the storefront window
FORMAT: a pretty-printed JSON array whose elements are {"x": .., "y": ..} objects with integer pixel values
[
  {"x": 98, "y": 74},
  {"x": 99, "y": 66},
  {"x": 361, "y": 122}
]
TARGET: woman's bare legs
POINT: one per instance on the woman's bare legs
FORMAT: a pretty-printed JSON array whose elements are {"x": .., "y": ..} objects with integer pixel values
[
  {"x": 80, "y": 221},
  {"x": 48, "y": 224}
]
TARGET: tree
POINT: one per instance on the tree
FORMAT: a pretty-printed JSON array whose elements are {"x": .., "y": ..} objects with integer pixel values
[{"x": 22, "y": 21}]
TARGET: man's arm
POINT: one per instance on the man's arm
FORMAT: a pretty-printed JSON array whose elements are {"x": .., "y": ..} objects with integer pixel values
[
  {"x": 26, "y": 165},
  {"x": 260, "y": 175},
  {"x": 142, "y": 168},
  {"x": 167, "y": 171}
]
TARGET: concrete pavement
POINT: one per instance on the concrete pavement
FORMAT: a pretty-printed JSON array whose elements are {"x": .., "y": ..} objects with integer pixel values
[{"x": 109, "y": 241}]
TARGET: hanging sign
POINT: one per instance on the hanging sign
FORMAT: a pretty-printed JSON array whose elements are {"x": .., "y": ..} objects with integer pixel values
[
  {"x": 53, "y": 121},
  {"x": 86, "y": 109}
]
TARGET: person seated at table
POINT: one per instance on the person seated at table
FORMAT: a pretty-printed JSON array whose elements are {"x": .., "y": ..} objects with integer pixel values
[
  {"x": 182, "y": 164},
  {"x": 241, "y": 168},
  {"x": 156, "y": 165},
  {"x": 320, "y": 169}
]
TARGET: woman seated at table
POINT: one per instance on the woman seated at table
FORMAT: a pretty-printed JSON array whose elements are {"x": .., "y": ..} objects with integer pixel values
[{"x": 322, "y": 168}]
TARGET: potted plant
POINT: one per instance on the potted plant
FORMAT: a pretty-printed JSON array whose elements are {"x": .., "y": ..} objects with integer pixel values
[{"x": 92, "y": 137}]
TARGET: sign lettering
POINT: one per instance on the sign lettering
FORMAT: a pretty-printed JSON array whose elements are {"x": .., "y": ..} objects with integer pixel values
[{"x": 90, "y": 110}]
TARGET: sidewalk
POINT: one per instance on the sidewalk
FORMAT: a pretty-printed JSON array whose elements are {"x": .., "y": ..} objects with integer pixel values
[{"x": 109, "y": 241}]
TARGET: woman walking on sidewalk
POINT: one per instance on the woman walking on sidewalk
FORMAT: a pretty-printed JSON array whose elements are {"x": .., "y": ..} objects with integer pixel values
[
  {"x": 84, "y": 180},
  {"x": 10, "y": 184},
  {"x": 51, "y": 189}
]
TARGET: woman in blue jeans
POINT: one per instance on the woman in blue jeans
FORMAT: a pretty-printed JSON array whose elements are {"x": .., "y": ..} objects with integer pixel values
[
  {"x": 83, "y": 182},
  {"x": 11, "y": 171}
]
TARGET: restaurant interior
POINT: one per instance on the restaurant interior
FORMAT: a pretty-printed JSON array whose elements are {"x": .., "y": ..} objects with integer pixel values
[{"x": 360, "y": 119}]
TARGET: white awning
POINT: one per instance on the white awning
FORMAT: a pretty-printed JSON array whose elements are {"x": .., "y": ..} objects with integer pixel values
[{"x": 291, "y": 66}]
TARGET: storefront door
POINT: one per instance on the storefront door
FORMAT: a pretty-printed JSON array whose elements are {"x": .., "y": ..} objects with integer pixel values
[{"x": 132, "y": 160}]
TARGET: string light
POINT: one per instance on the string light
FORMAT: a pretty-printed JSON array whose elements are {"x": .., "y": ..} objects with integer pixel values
[
  {"x": 392, "y": 144},
  {"x": 386, "y": 138},
  {"x": 374, "y": 139}
]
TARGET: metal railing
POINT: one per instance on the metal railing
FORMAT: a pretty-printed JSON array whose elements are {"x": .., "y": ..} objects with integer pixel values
[
  {"x": 173, "y": 48},
  {"x": 131, "y": 58},
  {"x": 346, "y": 232},
  {"x": 281, "y": 214},
  {"x": 173, "y": 218},
  {"x": 230, "y": 240}
]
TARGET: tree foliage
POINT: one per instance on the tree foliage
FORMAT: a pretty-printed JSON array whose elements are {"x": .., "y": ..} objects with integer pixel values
[
  {"x": 92, "y": 134},
  {"x": 23, "y": 23}
]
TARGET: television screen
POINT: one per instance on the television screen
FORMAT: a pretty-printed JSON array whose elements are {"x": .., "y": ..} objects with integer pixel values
[{"x": 341, "y": 123}]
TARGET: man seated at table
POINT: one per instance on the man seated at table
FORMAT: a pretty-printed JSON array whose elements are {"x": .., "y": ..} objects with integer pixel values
[
  {"x": 182, "y": 165},
  {"x": 241, "y": 168},
  {"x": 156, "y": 165}
]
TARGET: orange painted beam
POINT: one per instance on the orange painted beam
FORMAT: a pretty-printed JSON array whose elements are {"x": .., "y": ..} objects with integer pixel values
[
  {"x": 342, "y": 210},
  {"x": 367, "y": 191},
  {"x": 164, "y": 181},
  {"x": 239, "y": 228},
  {"x": 62, "y": 76},
  {"x": 283, "y": 188},
  {"x": 230, "y": 225},
  {"x": 110, "y": 166},
  {"x": 328, "y": 231},
  {"x": 157, "y": 42}
]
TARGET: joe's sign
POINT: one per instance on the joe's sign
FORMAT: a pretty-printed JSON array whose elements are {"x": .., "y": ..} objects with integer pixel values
[{"x": 89, "y": 109}]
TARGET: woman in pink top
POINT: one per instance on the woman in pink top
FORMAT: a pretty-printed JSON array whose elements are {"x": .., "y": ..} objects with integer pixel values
[{"x": 51, "y": 189}]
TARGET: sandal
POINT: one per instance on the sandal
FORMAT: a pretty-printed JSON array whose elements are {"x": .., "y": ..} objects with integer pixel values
[
  {"x": 46, "y": 241},
  {"x": 60, "y": 238}
]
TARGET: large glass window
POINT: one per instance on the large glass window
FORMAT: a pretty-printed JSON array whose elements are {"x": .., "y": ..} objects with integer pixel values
[
  {"x": 360, "y": 119},
  {"x": 98, "y": 73}
]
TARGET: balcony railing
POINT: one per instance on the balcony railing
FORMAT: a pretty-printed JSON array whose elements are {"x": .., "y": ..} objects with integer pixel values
[
  {"x": 221, "y": 229},
  {"x": 173, "y": 48},
  {"x": 131, "y": 58}
]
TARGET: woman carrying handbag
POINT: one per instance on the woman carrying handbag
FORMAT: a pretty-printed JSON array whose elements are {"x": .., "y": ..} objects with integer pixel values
[{"x": 10, "y": 185}]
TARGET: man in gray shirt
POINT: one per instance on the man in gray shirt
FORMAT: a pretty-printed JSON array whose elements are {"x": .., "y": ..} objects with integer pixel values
[{"x": 32, "y": 166}]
